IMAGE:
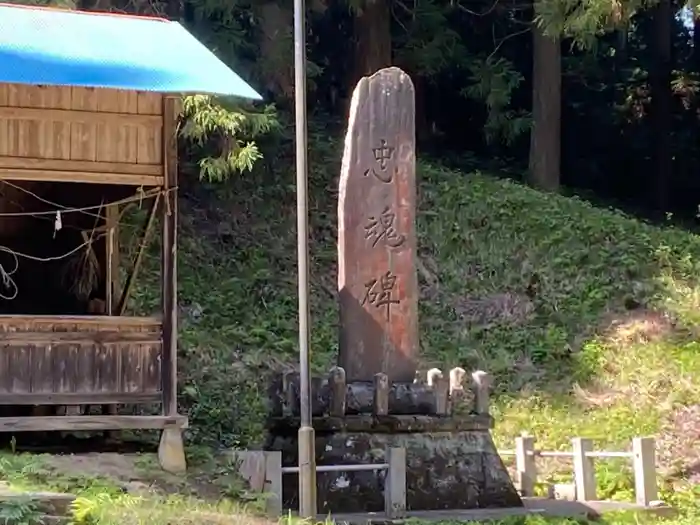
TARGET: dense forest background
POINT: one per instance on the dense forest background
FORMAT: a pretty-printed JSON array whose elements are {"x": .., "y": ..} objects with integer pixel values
[{"x": 600, "y": 96}]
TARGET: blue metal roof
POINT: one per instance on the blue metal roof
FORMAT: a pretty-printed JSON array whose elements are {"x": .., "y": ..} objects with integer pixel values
[{"x": 72, "y": 48}]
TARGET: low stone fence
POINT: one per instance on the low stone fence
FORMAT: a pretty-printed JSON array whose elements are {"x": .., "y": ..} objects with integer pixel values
[
  {"x": 642, "y": 455},
  {"x": 263, "y": 470},
  {"x": 432, "y": 393}
]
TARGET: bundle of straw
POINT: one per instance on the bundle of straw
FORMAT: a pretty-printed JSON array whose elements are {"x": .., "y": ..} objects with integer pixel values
[{"x": 80, "y": 274}]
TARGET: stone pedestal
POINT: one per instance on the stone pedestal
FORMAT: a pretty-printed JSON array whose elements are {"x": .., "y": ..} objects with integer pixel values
[{"x": 452, "y": 462}]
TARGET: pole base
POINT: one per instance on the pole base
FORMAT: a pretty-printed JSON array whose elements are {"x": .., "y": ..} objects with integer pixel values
[{"x": 307, "y": 473}]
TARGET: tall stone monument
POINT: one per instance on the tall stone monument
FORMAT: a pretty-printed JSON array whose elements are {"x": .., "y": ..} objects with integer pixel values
[
  {"x": 375, "y": 398},
  {"x": 377, "y": 280}
]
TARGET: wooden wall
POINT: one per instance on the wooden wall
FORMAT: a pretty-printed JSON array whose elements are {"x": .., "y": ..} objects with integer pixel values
[
  {"x": 79, "y": 134},
  {"x": 83, "y": 359}
]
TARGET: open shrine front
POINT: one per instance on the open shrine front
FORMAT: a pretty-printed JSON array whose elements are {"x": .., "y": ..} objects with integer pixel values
[{"x": 72, "y": 161}]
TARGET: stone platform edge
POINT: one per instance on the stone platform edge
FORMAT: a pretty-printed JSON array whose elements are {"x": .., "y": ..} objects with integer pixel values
[
  {"x": 389, "y": 424},
  {"x": 431, "y": 393}
]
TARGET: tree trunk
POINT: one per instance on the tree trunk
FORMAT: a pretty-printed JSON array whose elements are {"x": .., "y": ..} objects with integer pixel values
[
  {"x": 661, "y": 102},
  {"x": 545, "y": 137},
  {"x": 276, "y": 55},
  {"x": 372, "y": 32}
]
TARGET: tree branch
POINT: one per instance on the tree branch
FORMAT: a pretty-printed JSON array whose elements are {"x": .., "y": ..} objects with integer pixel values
[{"x": 504, "y": 39}]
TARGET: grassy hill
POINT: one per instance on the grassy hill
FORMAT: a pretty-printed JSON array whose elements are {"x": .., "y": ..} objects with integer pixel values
[{"x": 587, "y": 318}]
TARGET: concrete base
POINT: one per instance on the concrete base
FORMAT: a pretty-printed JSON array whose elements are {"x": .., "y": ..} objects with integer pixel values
[
  {"x": 307, "y": 473},
  {"x": 590, "y": 510},
  {"x": 171, "y": 451},
  {"x": 445, "y": 470}
]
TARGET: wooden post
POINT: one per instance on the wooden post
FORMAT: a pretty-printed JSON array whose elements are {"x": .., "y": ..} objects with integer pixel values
[
  {"x": 169, "y": 259},
  {"x": 273, "y": 483},
  {"x": 395, "y": 483},
  {"x": 145, "y": 237},
  {"x": 584, "y": 470},
  {"x": 526, "y": 465},
  {"x": 262, "y": 470},
  {"x": 111, "y": 257},
  {"x": 111, "y": 280},
  {"x": 644, "y": 461},
  {"x": 251, "y": 465},
  {"x": 338, "y": 388},
  {"x": 109, "y": 292},
  {"x": 171, "y": 451}
]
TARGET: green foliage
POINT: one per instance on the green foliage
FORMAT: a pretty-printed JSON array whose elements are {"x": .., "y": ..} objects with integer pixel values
[
  {"x": 85, "y": 510},
  {"x": 510, "y": 284},
  {"x": 493, "y": 82},
  {"x": 225, "y": 27},
  {"x": 425, "y": 42},
  {"x": 584, "y": 22},
  {"x": 210, "y": 493},
  {"x": 19, "y": 511},
  {"x": 231, "y": 128}
]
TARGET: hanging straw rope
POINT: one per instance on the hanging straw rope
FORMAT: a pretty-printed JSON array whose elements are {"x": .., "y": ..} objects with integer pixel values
[
  {"x": 6, "y": 276},
  {"x": 86, "y": 265}
]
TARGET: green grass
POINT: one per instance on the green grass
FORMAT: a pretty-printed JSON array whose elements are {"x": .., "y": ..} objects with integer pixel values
[
  {"x": 210, "y": 494},
  {"x": 586, "y": 317}
]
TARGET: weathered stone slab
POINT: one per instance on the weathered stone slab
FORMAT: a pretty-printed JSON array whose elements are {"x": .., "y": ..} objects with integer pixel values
[
  {"x": 460, "y": 470},
  {"x": 377, "y": 281}
]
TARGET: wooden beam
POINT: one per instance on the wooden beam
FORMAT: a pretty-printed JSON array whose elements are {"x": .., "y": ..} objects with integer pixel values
[
  {"x": 81, "y": 338},
  {"x": 155, "y": 170},
  {"x": 101, "y": 321},
  {"x": 171, "y": 111},
  {"x": 97, "y": 398},
  {"x": 125, "y": 179},
  {"x": 75, "y": 423},
  {"x": 145, "y": 237},
  {"x": 111, "y": 257},
  {"x": 81, "y": 117}
]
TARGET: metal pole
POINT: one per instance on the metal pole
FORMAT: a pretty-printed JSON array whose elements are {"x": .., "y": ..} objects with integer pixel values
[{"x": 306, "y": 437}]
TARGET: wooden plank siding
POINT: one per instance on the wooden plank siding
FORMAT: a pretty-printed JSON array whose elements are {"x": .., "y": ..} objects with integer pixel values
[
  {"x": 78, "y": 359},
  {"x": 76, "y": 134}
]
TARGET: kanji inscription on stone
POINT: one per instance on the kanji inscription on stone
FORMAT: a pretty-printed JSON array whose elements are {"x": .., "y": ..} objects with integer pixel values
[
  {"x": 377, "y": 281},
  {"x": 382, "y": 155},
  {"x": 379, "y": 292},
  {"x": 381, "y": 227}
]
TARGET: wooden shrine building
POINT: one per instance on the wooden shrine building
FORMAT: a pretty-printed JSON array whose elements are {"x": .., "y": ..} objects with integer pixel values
[{"x": 89, "y": 108}]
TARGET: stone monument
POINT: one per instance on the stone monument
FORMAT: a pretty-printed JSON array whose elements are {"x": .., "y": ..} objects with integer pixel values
[
  {"x": 375, "y": 397},
  {"x": 377, "y": 280}
]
